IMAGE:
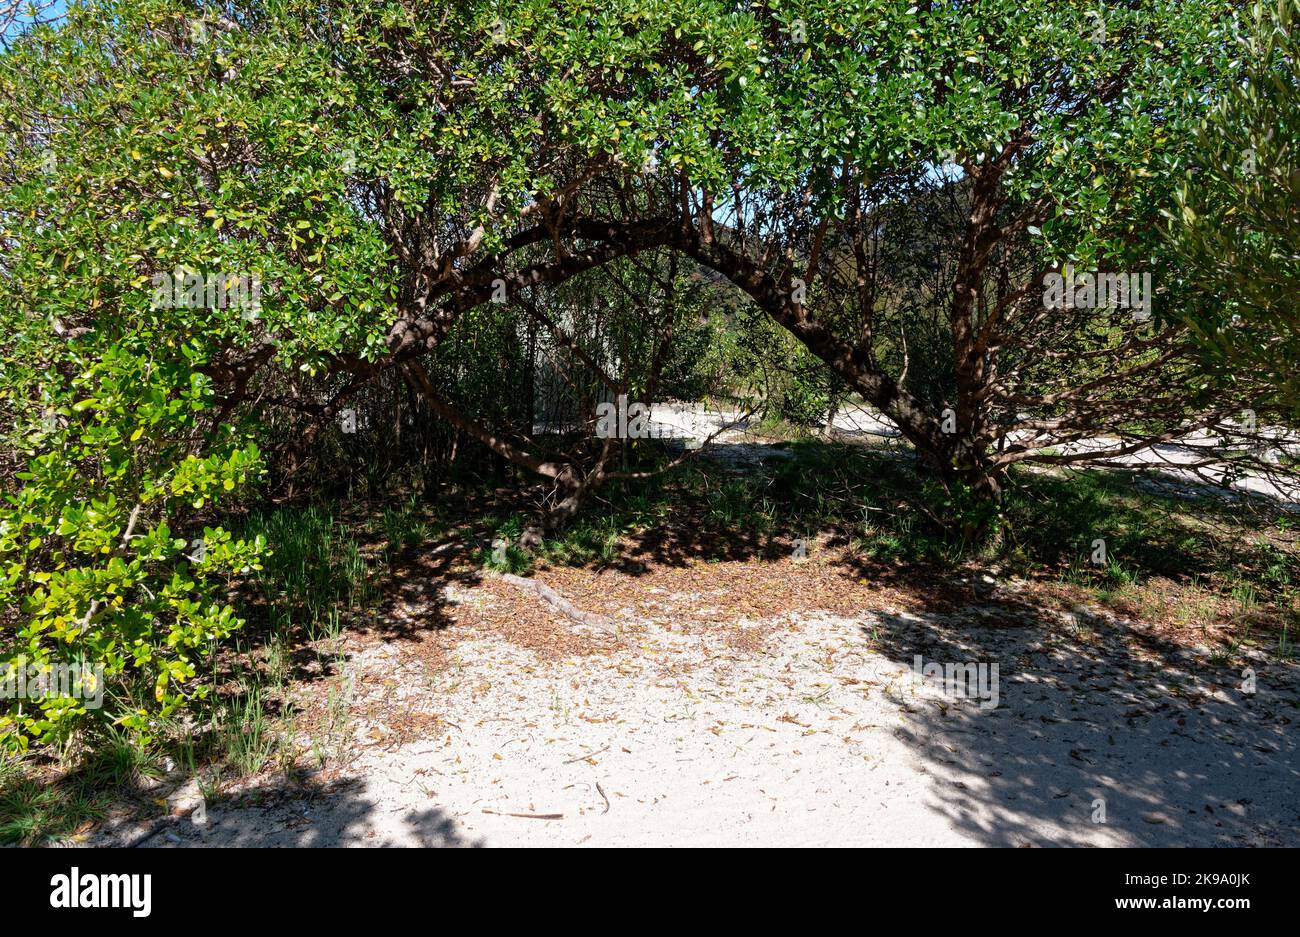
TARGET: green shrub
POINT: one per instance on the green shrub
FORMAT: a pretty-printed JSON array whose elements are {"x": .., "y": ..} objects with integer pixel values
[{"x": 97, "y": 577}]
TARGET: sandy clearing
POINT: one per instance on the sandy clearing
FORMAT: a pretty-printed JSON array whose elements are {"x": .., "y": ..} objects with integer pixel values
[
  {"x": 697, "y": 726},
  {"x": 800, "y": 729},
  {"x": 1190, "y": 461}
]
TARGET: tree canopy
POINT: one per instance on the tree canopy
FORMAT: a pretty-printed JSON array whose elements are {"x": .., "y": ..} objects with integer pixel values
[{"x": 223, "y": 225}]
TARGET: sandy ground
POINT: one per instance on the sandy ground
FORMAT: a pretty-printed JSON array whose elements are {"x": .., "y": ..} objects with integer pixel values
[
  {"x": 1190, "y": 461},
  {"x": 760, "y": 700},
  {"x": 806, "y": 728}
]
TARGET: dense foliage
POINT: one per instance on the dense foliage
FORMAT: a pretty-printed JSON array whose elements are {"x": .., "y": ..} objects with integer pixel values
[
  {"x": 237, "y": 240},
  {"x": 1235, "y": 227}
]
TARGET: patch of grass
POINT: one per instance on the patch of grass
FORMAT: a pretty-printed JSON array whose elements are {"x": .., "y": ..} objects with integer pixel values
[
  {"x": 247, "y": 737},
  {"x": 328, "y": 744},
  {"x": 404, "y": 526},
  {"x": 36, "y": 813},
  {"x": 46, "y": 804},
  {"x": 327, "y": 626},
  {"x": 592, "y": 538},
  {"x": 1286, "y": 645},
  {"x": 1223, "y": 568},
  {"x": 585, "y": 542},
  {"x": 317, "y": 563},
  {"x": 503, "y": 554},
  {"x": 324, "y": 570},
  {"x": 1065, "y": 517}
]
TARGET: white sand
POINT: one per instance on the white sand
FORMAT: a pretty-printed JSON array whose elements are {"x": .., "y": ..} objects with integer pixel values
[{"x": 820, "y": 738}]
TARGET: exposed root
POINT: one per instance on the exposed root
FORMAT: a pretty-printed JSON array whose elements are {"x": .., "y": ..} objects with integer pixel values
[{"x": 562, "y": 605}]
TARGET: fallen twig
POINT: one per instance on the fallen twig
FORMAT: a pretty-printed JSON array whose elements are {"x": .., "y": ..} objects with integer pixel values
[
  {"x": 526, "y": 816},
  {"x": 586, "y": 756}
]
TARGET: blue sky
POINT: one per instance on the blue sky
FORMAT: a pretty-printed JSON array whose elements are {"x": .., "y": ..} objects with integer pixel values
[{"x": 46, "y": 9}]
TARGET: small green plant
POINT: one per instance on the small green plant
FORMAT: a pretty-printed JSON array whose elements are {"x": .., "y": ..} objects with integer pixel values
[
  {"x": 247, "y": 738},
  {"x": 1245, "y": 595},
  {"x": 503, "y": 554},
  {"x": 403, "y": 527},
  {"x": 1286, "y": 648}
]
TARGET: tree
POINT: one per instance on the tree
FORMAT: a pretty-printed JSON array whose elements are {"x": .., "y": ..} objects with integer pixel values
[
  {"x": 1008, "y": 143},
  {"x": 363, "y": 178},
  {"x": 222, "y": 228},
  {"x": 1235, "y": 229}
]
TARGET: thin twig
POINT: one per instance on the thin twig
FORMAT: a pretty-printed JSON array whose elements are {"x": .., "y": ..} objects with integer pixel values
[
  {"x": 526, "y": 816},
  {"x": 585, "y": 757}
]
